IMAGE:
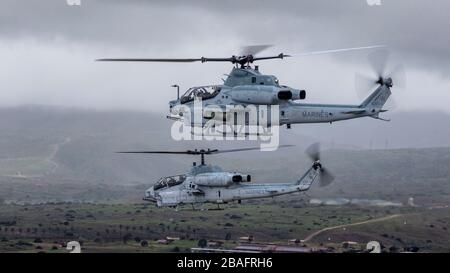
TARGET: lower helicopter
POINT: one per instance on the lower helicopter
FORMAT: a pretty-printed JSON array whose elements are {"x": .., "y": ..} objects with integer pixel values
[{"x": 210, "y": 184}]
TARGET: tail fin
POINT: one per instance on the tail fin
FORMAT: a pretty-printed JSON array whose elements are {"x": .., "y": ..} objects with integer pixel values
[
  {"x": 375, "y": 102},
  {"x": 305, "y": 182}
]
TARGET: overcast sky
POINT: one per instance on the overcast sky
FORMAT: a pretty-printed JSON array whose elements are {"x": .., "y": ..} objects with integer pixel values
[{"x": 47, "y": 48}]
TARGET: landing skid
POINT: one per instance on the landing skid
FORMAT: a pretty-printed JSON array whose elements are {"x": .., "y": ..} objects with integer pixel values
[
  {"x": 231, "y": 133},
  {"x": 201, "y": 208}
]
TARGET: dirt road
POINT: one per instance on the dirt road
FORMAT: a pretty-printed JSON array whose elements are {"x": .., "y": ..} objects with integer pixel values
[{"x": 385, "y": 218}]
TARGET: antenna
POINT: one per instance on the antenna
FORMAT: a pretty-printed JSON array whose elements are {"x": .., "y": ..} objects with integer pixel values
[{"x": 178, "y": 90}]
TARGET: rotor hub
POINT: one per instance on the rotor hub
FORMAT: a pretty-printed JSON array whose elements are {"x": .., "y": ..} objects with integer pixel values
[
  {"x": 387, "y": 82},
  {"x": 317, "y": 165}
]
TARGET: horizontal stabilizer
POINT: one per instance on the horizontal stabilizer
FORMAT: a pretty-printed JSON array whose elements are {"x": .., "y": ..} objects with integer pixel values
[{"x": 355, "y": 112}]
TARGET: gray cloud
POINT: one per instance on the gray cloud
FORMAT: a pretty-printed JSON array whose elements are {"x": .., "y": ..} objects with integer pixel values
[
  {"x": 411, "y": 24},
  {"x": 47, "y": 47}
]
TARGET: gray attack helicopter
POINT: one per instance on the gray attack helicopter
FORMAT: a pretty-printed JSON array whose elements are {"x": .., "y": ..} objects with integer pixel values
[
  {"x": 210, "y": 184},
  {"x": 246, "y": 85}
]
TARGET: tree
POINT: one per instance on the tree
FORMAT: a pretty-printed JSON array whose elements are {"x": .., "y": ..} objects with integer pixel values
[
  {"x": 126, "y": 238},
  {"x": 202, "y": 243}
]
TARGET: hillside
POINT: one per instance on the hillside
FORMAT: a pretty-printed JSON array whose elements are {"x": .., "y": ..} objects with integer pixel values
[{"x": 57, "y": 146}]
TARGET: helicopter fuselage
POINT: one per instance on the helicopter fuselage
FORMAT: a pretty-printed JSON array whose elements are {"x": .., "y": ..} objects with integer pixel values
[
  {"x": 221, "y": 187},
  {"x": 247, "y": 90}
]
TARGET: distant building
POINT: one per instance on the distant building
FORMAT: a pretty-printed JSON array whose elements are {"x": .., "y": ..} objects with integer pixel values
[
  {"x": 316, "y": 202},
  {"x": 349, "y": 244},
  {"x": 217, "y": 250},
  {"x": 411, "y": 202},
  {"x": 163, "y": 242},
  {"x": 213, "y": 243},
  {"x": 270, "y": 248},
  {"x": 246, "y": 238}
]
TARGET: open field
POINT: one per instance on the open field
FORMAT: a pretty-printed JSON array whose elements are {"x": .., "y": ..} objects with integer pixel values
[
  {"x": 60, "y": 180},
  {"x": 122, "y": 228}
]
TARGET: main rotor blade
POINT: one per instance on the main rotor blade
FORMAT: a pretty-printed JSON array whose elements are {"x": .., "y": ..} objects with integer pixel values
[
  {"x": 233, "y": 59},
  {"x": 188, "y": 152},
  {"x": 247, "y": 149},
  {"x": 325, "y": 178},
  {"x": 280, "y": 56},
  {"x": 313, "y": 152},
  {"x": 236, "y": 150},
  {"x": 335, "y": 50},
  {"x": 253, "y": 49},
  {"x": 204, "y": 59},
  {"x": 198, "y": 152},
  {"x": 155, "y": 152},
  {"x": 149, "y": 60}
]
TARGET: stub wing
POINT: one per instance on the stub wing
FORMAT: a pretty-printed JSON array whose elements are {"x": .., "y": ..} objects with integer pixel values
[{"x": 222, "y": 110}]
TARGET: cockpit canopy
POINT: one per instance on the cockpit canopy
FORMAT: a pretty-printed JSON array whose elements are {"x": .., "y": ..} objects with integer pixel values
[
  {"x": 170, "y": 181},
  {"x": 204, "y": 92}
]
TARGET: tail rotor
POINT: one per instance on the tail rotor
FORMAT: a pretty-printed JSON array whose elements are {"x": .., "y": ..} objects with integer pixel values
[
  {"x": 326, "y": 178},
  {"x": 381, "y": 76}
]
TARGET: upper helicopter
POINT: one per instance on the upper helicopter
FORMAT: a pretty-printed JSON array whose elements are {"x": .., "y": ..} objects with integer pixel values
[
  {"x": 210, "y": 184},
  {"x": 246, "y": 85}
]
